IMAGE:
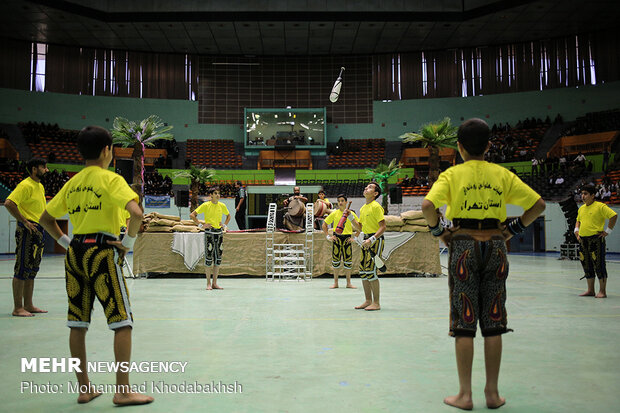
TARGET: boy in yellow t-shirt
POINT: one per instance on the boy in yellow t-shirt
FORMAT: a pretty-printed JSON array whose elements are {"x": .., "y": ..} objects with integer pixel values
[
  {"x": 591, "y": 236},
  {"x": 214, "y": 233},
  {"x": 95, "y": 199},
  {"x": 341, "y": 248},
  {"x": 372, "y": 222},
  {"x": 476, "y": 193},
  {"x": 26, "y": 204},
  {"x": 323, "y": 198}
]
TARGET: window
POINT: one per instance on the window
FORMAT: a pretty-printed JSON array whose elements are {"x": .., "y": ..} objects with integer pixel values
[
  {"x": 188, "y": 78},
  {"x": 464, "y": 75},
  {"x": 544, "y": 67},
  {"x": 424, "y": 76},
  {"x": 95, "y": 71},
  {"x": 396, "y": 76},
  {"x": 37, "y": 67},
  {"x": 511, "y": 57},
  {"x": 577, "y": 58},
  {"x": 425, "y": 70},
  {"x": 498, "y": 67},
  {"x": 592, "y": 68},
  {"x": 113, "y": 82}
]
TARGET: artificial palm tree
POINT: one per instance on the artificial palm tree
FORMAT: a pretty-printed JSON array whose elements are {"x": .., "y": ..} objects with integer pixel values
[
  {"x": 434, "y": 136},
  {"x": 139, "y": 135},
  {"x": 380, "y": 175},
  {"x": 196, "y": 177}
]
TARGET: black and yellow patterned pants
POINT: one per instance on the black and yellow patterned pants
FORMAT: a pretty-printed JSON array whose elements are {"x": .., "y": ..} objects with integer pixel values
[
  {"x": 368, "y": 269},
  {"x": 342, "y": 253},
  {"x": 592, "y": 256},
  {"x": 28, "y": 251},
  {"x": 94, "y": 269}
]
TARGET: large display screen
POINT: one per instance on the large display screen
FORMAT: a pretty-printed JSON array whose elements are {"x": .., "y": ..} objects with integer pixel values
[{"x": 268, "y": 128}]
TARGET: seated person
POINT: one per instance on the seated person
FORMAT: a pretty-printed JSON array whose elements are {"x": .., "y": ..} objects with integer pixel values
[
  {"x": 324, "y": 199},
  {"x": 295, "y": 222}
]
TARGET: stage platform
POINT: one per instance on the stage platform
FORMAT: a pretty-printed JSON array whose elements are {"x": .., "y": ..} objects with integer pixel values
[{"x": 244, "y": 253}]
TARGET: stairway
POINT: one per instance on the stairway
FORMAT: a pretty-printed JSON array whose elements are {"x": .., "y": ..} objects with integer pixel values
[
  {"x": 550, "y": 138},
  {"x": 393, "y": 150},
  {"x": 17, "y": 140},
  {"x": 179, "y": 162}
]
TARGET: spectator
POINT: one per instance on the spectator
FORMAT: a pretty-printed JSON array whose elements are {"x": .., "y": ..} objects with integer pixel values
[
  {"x": 604, "y": 194},
  {"x": 606, "y": 158},
  {"x": 580, "y": 159},
  {"x": 562, "y": 163}
]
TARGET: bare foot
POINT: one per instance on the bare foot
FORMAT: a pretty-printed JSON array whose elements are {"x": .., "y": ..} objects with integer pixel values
[
  {"x": 373, "y": 307},
  {"x": 86, "y": 397},
  {"x": 351, "y": 286},
  {"x": 334, "y": 286},
  {"x": 128, "y": 399},
  {"x": 587, "y": 294},
  {"x": 494, "y": 401},
  {"x": 34, "y": 309},
  {"x": 209, "y": 287},
  {"x": 601, "y": 295},
  {"x": 217, "y": 287},
  {"x": 363, "y": 305},
  {"x": 21, "y": 312},
  {"x": 460, "y": 401}
]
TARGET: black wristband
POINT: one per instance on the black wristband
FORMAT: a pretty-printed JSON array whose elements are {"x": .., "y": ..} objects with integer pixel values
[
  {"x": 437, "y": 230},
  {"x": 515, "y": 226}
]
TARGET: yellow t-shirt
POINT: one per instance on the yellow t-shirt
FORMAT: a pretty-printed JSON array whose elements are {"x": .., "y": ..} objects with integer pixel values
[
  {"x": 95, "y": 199},
  {"x": 592, "y": 218},
  {"x": 124, "y": 217},
  {"x": 480, "y": 190},
  {"x": 334, "y": 219},
  {"x": 213, "y": 212},
  {"x": 370, "y": 216},
  {"x": 29, "y": 196}
]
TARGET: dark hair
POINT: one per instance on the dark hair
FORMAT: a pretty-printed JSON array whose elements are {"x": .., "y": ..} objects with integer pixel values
[
  {"x": 92, "y": 140},
  {"x": 321, "y": 191},
  {"x": 238, "y": 183},
  {"x": 377, "y": 189},
  {"x": 591, "y": 189},
  {"x": 342, "y": 196},
  {"x": 34, "y": 163},
  {"x": 474, "y": 134},
  {"x": 211, "y": 190}
]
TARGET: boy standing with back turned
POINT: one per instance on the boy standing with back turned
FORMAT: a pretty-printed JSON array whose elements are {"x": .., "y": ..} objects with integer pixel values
[
  {"x": 476, "y": 193},
  {"x": 95, "y": 199}
]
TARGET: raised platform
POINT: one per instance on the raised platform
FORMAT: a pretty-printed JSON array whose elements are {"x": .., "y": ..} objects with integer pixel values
[{"x": 244, "y": 254}]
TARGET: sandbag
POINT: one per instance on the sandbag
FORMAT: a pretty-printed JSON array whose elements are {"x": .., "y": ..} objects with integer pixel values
[
  {"x": 170, "y": 217},
  {"x": 414, "y": 228},
  {"x": 393, "y": 221},
  {"x": 185, "y": 228},
  {"x": 157, "y": 228},
  {"x": 417, "y": 221},
  {"x": 163, "y": 222},
  {"x": 411, "y": 215}
]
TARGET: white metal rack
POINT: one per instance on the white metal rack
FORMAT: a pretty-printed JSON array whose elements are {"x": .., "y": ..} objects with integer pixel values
[
  {"x": 269, "y": 250},
  {"x": 289, "y": 262},
  {"x": 309, "y": 247}
]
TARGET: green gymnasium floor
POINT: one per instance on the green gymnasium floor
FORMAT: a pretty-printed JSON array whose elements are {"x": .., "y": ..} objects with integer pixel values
[{"x": 296, "y": 347}]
